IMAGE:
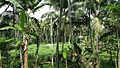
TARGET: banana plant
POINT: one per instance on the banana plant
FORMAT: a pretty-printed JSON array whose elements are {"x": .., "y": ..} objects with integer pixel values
[{"x": 22, "y": 7}]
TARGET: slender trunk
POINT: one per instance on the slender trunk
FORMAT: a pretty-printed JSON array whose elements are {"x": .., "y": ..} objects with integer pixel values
[
  {"x": 36, "y": 53},
  {"x": 19, "y": 38},
  {"x": 46, "y": 37},
  {"x": 80, "y": 34},
  {"x": 66, "y": 63},
  {"x": 65, "y": 38},
  {"x": 51, "y": 36},
  {"x": 112, "y": 51},
  {"x": 97, "y": 51},
  {"x": 70, "y": 26},
  {"x": 90, "y": 37},
  {"x": 0, "y": 60},
  {"x": 57, "y": 49},
  {"x": 110, "y": 55},
  {"x": 58, "y": 34},
  {"x": 63, "y": 42},
  {"x": 21, "y": 57},
  {"x": 54, "y": 37},
  {"x": 25, "y": 41},
  {"x": 98, "y": 62},
  {"x": 90, "y": 32},
  {"x": 118, "y": 51},
  {"x": 118, "y": 55}
]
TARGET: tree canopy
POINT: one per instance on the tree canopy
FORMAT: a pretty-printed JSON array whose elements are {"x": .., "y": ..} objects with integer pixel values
[{"x": 72, "y": 34}]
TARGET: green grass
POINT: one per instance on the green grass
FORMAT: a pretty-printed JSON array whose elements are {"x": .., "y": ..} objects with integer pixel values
[{"x": 45, "y": 52}]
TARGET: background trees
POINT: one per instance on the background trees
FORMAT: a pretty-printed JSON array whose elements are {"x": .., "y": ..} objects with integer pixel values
[{"x": 77, "y": 33}]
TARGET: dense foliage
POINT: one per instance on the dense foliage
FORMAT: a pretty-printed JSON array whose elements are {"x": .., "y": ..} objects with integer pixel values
[{"x": 73, "y": 34}]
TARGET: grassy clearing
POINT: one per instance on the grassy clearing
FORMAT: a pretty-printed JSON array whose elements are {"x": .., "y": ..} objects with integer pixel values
[{"x": 45, "y": 53}]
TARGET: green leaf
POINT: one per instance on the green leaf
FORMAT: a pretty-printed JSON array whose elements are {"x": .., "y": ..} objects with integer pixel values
[
  {"x": 23, "y": 19},
  {"x": 64, "y": 54},
  {"x": 41, "y": 5},
  {"x": 18, "y": 27},
  {"x": 8, "y": 40},
  {"x": 2, "y": 40},
  {"x": 6, "y": 28},
  {"x": 18, "y": 43}
]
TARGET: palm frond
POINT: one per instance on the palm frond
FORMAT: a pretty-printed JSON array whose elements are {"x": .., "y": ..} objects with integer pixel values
[{"x": 96, "y": 25}]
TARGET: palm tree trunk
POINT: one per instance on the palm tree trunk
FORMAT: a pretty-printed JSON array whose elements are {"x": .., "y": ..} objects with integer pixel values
[
  {"x": 21, "y": 56},
  {"x": 63, "y": 33},
  {"x": 90, "y": 37},
  {"x": 66, "y": 63},
  {"x": 57, "y": 49},
  {"x": 58, "y": 34},
  {"x": 69, "y": 8},
  {"x": 51, "y": 36},
  {"x": 118, "y": 51},
  {"x": 25, "y": 41},
  {"x": 0, "y": 60},
  {"x": 110, "y": 55},
  {"x": 46, "y": 36},
  {"x": 36, "y": 53},
  {"x": 118, "y": 55},
  {"x": 97, "y": 53}
]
